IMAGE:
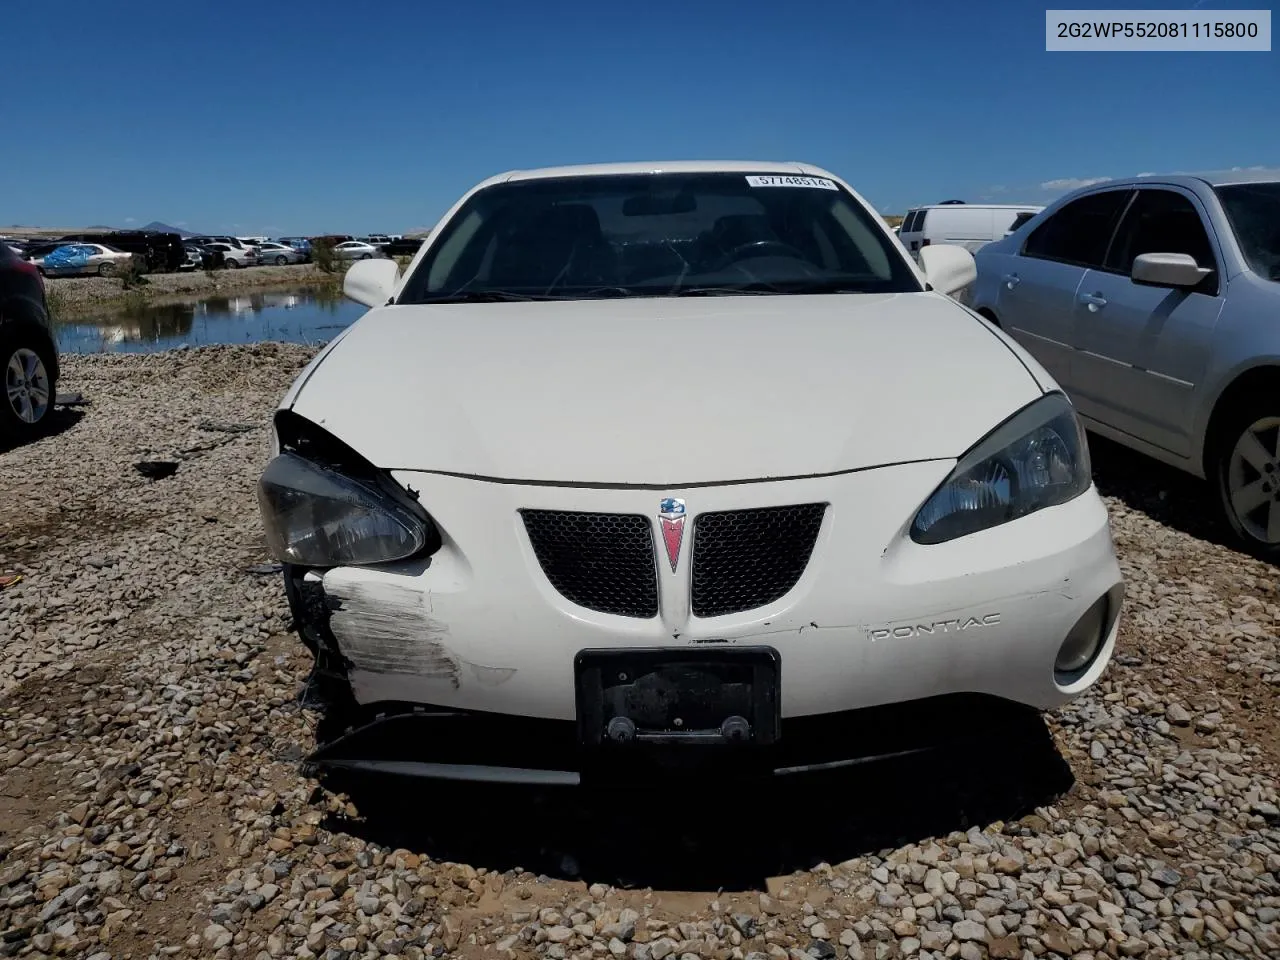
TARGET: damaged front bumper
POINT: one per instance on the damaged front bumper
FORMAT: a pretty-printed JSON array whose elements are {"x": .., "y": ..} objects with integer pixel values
[{"x": 467, "y": 664}]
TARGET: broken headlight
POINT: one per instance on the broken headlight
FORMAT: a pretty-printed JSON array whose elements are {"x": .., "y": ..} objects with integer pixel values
[
  {"x": 1037, "y": 458},
  {"x": 317, "y": 516}
]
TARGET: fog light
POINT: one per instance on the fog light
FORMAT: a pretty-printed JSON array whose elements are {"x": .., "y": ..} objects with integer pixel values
[{"x": 1083, "y": 642}]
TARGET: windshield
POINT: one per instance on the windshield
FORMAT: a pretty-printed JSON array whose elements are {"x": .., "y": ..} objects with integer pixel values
[
  {"x": 1254, "y": 212},
  {"x": 646, "y": 235}
]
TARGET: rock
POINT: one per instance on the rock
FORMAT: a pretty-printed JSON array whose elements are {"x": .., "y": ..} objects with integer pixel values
[
  {"x": 624, "y": 930},
  {"x": 1177, "y": 715},
  {"x": 931, "y": 939},
  {"x": 216, "y": 936},
  {"x": 746, "y": 924},
  {"x": 1004, "y": 948},
  {"x": 819, "y": 931},
  {"x": 662, "y": 947}
]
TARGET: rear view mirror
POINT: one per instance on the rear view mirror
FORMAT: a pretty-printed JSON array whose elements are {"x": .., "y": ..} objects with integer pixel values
[
  {"x": 371, "y": 282},
  {"x": 652, "y": 205},
  {"x": 1167, "y": 270},
  {"x": 947, "y": 267}
]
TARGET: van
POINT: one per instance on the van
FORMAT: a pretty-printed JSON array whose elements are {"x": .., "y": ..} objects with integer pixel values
[{"x": 968, "y": 225}]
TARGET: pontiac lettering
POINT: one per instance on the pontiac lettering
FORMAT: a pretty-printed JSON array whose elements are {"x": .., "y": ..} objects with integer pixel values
[{"x": 905, "y": 631}]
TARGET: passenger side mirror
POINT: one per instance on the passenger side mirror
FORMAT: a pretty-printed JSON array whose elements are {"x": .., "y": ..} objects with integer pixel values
[
  {"x": 1167, "y": 270},
  {"x": 371, "y": 282},
  {"x": 947, "y": 267}
]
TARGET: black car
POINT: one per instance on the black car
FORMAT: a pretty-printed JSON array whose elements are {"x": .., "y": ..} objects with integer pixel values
[
  {"x": 205, "y": 256},
  {"x": 158, "y": 252},
  {"x": 404, "y": 247},
  {"x": 28, "y": 354}
]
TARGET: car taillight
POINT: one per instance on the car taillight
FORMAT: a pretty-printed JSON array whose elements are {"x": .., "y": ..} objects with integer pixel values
[{"x": 26, "y": 266}]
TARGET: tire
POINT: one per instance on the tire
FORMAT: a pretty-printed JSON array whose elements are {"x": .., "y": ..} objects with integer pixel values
[
  {"x": 1244, "y": 462},
  {"x": 281, "y": 261},
  {"x": 231, "y": 264},
  {"x": 106, "y": 269},
  {"x": 366, "y": 256},
  {"x": 27, "y": 367}
]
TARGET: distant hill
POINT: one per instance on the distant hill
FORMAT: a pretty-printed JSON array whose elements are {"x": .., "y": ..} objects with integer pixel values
[{"x": 165, "y": 228}]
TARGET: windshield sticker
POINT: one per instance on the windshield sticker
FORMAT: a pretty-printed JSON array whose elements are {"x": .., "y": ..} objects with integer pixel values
[{"x": 777, "y": 181}]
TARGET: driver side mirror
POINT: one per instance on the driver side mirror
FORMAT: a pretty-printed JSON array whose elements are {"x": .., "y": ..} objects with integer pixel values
[
  {"x": 948, "y": 268},
  {"x": 1167, "y": 270},
  {"x": 371, "y": 282}
]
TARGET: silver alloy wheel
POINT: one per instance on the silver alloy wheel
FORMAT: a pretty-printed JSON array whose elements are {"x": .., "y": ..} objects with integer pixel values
[
  {"x": 27, "y": 385},
  {"x": 1253, "y": 480}
]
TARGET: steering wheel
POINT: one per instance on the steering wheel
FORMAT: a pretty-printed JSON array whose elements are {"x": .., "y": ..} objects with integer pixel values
[{"x": 758, "y": 248}]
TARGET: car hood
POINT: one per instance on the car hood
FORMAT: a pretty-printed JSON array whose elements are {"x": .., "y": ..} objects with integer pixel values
[{"x": 664, "y": 392}]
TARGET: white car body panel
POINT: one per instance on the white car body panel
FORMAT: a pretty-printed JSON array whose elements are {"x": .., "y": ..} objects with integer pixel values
[{"x": 752, "y": 387}]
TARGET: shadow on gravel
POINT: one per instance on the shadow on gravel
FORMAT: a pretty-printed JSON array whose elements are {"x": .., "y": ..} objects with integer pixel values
[
  {"x": 61, "y": 419},
  {"x": 1168, "y": 496},
  {"x": 684, "y": 835}
]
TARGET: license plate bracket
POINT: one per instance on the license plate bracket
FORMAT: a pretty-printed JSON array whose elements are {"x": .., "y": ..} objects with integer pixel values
[{"x": 711, "y": 696}]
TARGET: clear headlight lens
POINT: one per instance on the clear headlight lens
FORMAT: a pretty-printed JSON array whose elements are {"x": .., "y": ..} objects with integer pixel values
[
  {"x": 317, "y": 517},
  {"x": 1037, "y": 458}
]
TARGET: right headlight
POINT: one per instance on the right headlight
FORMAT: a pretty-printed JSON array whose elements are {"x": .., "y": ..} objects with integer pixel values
[
  {"x": 317, "y": 516},
  {"x": 1037, "y": 458}
]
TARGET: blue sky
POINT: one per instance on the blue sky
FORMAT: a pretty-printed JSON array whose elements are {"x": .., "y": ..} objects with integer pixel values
[{"x": 350, "y": 116}]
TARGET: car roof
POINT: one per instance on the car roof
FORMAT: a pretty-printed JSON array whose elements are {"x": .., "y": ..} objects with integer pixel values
[
  {"x": 1214, "y": 178},
  {"x": 662, "y": 166}
]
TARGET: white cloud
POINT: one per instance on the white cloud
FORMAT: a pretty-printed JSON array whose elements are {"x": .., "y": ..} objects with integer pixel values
[
  {"x": 998, "y": 188},
  {"x": 181, "y": 223},
  {"x": 130, "y": 220},
  {"x": 1072, "y": 183}
]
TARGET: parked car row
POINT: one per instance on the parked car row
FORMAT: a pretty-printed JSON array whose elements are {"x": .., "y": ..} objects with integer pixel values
[{"x": 110, "y": 252}]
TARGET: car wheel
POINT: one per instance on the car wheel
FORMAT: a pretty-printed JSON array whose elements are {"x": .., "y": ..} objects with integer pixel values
[
  {"x": 281, "y": 261},
  {"x": 366, "y": 256},
  {"x": 232, "y": 264},
  {"x": 29, "y": 386},
  {"x": 1246, "y": 473},
  {"x": 106, "y": 269}
]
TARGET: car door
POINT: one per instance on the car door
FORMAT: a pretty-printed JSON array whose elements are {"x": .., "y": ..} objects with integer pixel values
[
  {"x": 1144, "y": 349},
  {"x": 1036, "y": 297}
]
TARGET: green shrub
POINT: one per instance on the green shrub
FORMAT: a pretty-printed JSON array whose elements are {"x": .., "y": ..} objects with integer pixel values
[{"x": 324, "y": 258}]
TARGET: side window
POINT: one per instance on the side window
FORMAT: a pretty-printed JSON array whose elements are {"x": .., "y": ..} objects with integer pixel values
[
  {"x": 909, "y": 223},
  {"x": 1161, "y": 221},
  {"x": 1080, "y": 232}
]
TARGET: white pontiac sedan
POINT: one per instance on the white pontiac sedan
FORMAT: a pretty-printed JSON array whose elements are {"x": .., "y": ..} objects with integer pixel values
[{"x": 679, "y": 463}]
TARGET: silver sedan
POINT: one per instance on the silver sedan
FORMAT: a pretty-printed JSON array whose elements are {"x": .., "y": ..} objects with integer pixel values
[
  {"x": 1153, "y": 302},
  {"x": 279, "y": 254}
]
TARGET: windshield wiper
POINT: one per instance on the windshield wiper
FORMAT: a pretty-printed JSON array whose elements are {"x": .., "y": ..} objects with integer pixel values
[
  {"x": 746, "y": 289},
  {"x": 761, "y": 287},
  {"x": 486, "y": 296}
]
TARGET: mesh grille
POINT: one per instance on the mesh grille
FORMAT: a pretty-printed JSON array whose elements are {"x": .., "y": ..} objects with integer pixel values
[
  {"x": 743, "y": 559},
  {"x": 601, "y": 561}
]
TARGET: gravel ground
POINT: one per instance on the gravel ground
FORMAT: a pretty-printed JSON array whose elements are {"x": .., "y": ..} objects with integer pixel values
[
  {"x": 82, "y": 296},
  {"x": 151, "y": 803}
]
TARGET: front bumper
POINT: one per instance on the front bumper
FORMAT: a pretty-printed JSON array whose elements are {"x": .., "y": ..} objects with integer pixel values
[{"x": 875, "y": 619}]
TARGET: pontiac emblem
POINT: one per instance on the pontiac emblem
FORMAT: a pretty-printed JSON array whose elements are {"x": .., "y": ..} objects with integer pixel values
[{"x": 671, "y": 519}]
